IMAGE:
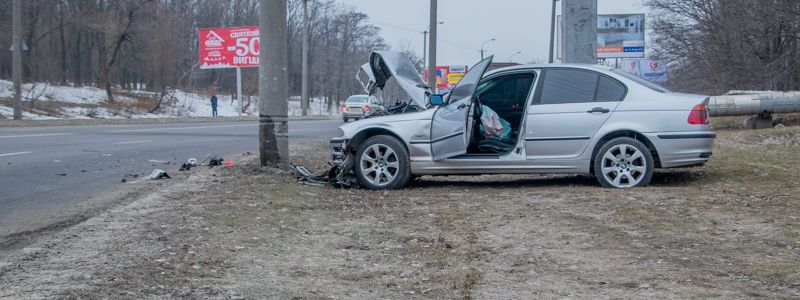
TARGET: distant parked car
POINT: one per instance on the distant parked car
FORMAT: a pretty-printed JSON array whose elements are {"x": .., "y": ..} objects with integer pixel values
[
  {"x": 358, "y": 106},
  {"x": 566, "y": 118}
]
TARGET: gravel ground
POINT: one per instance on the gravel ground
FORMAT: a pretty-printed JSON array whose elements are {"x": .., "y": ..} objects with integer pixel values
[{"x": 726, "y": 230}]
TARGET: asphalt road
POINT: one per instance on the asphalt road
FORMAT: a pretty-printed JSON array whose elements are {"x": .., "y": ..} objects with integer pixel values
[{"x": 46, "y": 167}]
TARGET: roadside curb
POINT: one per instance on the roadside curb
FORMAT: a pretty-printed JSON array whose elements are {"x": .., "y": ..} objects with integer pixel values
[{"x": 74, "y": 122}]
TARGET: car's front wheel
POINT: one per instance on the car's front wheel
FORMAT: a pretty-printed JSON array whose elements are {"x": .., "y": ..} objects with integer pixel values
[
  {"x": 383, "y": 163},
  {"x": 622, "y": 163}
]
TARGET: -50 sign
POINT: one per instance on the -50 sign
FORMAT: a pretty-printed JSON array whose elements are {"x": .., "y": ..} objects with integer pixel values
[{"x": 229, "y": 47}]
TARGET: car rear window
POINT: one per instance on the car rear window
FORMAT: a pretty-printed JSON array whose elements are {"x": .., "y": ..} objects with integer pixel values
[
  {"x": 360, "y": 99},
  {"x": 609, "y": 90}
]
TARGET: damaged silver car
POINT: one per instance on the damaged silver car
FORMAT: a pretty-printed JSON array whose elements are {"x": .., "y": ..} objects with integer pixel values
[{"x": 564, "y": 119}]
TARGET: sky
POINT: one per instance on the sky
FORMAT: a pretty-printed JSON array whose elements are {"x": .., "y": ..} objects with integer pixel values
[{"x": 516, "y": 25}]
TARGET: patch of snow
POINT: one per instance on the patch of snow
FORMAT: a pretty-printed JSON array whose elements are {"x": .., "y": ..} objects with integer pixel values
[
  {"x": 90, "y": 103},
  {"x": 8, "y": 112}
]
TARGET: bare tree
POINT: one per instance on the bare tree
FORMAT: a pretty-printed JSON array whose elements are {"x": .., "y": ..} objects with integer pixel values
[{"x": 716, "y": 45}]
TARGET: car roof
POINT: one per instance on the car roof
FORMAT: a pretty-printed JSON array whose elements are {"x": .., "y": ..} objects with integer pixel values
[{"x": 601, "y": 68}]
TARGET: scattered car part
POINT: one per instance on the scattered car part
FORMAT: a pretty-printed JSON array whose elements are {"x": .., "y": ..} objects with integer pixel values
[
  {"x": 159, "y": 174},
  {"x": 215, "y": 161}
]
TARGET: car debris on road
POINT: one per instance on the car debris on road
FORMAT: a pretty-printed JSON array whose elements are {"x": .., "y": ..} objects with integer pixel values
[{"x": 159, "y": 174}]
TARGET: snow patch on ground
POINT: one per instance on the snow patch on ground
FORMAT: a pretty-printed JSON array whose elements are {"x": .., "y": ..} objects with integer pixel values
[{"x": 66, "y": 102}]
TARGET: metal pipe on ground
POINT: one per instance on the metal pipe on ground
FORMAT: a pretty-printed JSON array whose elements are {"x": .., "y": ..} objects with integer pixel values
[
  {"x": 761, "y": 104},
  {"x": 742, "y": 103}
]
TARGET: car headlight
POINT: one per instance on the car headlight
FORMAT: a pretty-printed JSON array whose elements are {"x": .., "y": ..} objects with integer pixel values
[{"x": 341, "y": 132}]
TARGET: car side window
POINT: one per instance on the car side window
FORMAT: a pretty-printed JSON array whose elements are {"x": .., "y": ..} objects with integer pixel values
[
  {"x": 578, "y": 86},
  {"x": 568, "y": 86},
  {"x": 609, "y": 90},
  {"x": 505, "y": 91}
]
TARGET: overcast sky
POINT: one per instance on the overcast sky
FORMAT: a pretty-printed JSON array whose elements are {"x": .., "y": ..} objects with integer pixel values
[{"x": 517, "y": 25}]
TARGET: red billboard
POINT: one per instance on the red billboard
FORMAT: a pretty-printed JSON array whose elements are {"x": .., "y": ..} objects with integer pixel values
[{"x": 235, "y": 47}]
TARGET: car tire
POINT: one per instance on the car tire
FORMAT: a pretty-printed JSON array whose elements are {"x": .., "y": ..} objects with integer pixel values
[
  {"x": 382, "y": 162},
  {"x": 344, "y": 119},
  {"x": 615, "y": 170}
]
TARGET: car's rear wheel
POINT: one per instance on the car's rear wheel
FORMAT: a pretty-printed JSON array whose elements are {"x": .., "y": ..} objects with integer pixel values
[
  {"x": 622, "y": 163},
  {"x": 383, "y": 163},
  {"x": 345, "y": 119}
]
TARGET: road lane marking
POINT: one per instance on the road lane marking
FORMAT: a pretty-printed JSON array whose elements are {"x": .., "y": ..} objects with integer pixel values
[
  {"x": 184, "y": 128},
  {"x": 31, "y": 135},
  {"x": 15, "y": 153},
  {"x": 133, "y": 142}
]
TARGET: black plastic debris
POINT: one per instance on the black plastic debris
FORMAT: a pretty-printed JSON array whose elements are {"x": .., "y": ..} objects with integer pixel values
[
  {"x": 337, "y": 176},
  {"x": 215, "y": 161},
  {"x": 189, "y": 164}
]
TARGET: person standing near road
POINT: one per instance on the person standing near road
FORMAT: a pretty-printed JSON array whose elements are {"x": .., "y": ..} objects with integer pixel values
[{"x": 214, "y": 105}]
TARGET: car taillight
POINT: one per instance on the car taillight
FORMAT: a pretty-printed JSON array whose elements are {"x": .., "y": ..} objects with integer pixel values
[
  {"x": 699, "y": 115},
  {"x": 367, "y": 109},
  {"x": 345, "y": 109}
]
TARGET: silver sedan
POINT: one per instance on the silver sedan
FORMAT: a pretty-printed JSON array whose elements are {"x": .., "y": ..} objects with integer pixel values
[{"x": 567, "y": 119}]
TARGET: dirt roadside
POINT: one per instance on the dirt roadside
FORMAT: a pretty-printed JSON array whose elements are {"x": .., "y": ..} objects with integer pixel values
[{"x": 726, "y": 230}]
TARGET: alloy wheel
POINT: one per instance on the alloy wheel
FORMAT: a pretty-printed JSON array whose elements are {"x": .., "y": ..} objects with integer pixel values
[
  {"x": 624, "y": 166},
  {"x": 379, "y": 165}
]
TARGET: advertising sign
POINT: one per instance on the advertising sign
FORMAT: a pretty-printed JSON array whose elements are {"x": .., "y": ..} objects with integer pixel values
[
  {"x": 650, "y": 70},
  {"x": 229, "y": 47},
  {"x": 455, "y": 75},
  {"x": 448, "y": 76},
  {"x": 620, "y": 36}
]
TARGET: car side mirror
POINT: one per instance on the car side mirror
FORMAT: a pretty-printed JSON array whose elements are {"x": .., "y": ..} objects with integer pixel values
[{"x": 436, "y": 100}]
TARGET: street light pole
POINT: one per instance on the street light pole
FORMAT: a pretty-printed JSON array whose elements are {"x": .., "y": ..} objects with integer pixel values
[
  {"x": 483, "y": 44},
  {"x": 424, "y": 48},
  {"x": 273, "y": 88},
  {"x": 512, "y": 56},
  {"x": 432, "y": 42},
  {"x": 552, "y": 32},
  {"x": 16, "y": 47}
]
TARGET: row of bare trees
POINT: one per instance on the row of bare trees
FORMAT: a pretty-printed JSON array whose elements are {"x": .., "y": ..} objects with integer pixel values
[
  {"x": 153, "y": 44},
  {"x": 720, "y": 45}
]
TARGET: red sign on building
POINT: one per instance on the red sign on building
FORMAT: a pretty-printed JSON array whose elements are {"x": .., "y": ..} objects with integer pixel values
[{"x": 229, "y": 47}]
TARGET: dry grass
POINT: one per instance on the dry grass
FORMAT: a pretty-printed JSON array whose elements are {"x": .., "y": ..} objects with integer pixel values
[{"x": 727, "y": 230}]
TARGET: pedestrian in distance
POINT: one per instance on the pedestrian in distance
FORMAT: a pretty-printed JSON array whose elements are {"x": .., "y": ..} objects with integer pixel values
[{"x": 214, "y": 105}]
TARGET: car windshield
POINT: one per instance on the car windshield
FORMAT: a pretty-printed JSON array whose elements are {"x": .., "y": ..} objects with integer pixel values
[
  {"x": 357, "y": 99},
  {"x": 641, "y": 81}
]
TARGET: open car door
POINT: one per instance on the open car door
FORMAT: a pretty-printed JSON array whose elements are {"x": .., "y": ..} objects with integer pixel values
[{"x": 452, "y": 123}]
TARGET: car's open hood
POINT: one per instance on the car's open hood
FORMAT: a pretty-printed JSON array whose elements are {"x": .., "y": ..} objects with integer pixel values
[{"x": 387, "y": 64}]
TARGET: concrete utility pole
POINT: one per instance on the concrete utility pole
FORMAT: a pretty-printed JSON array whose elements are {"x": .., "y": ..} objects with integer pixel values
[
  {"x": 552, "y": 32},
  {"x": 273, "y": 89},
  {"x": 306, "y": 37},
  {"x": 432, "y": 48},
  {"x": 579, "y": 31},
  {"x": 16, "y": 47}
]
